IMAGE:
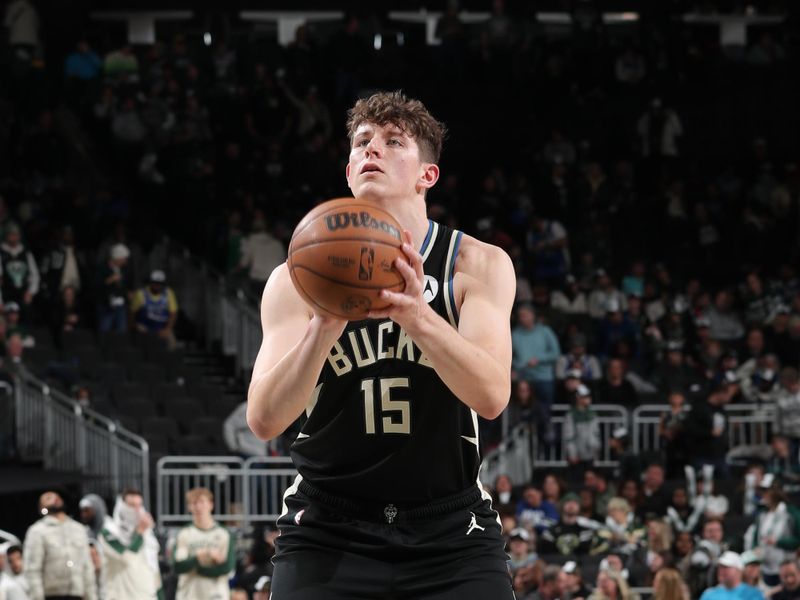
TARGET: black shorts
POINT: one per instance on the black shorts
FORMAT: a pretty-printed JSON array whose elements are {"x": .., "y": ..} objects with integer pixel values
[{"x": 330, "y": 548}]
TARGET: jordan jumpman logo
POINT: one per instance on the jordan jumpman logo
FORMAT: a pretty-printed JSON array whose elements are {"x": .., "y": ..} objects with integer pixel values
[{"x": 473, "y": 524}]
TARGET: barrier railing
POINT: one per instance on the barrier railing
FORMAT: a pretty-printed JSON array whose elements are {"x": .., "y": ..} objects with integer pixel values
[
  {"x": 55, "y": 429},
  {"x": 246, "y": 491},
  {"x": 747, "y": 424},
  {"x": 512, "y": 457}
]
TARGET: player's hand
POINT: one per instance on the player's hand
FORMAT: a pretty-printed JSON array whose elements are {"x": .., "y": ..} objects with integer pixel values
[
  {"x": 406, "y": 307},
  {"x": 145, "y": 522}
]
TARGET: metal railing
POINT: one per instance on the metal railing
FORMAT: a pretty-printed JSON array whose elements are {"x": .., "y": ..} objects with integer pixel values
[
  {"x": 748, "y": 424},
  {"x": 55, "y": 429},
  {"x": 246, "y": 491},
  {"x": 226, "y": 311},
  {"x": 512, "y": 457}
]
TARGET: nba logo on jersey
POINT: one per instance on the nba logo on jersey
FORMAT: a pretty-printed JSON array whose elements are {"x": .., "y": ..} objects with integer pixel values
[
  {"x": 367, "y": 260},
  {"x": 299, "y": 516},
  {"x": 431, "y": 288}
]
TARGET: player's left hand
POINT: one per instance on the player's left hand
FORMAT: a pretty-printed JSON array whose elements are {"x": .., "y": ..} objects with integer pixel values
[{"x": 408, "y": 306}]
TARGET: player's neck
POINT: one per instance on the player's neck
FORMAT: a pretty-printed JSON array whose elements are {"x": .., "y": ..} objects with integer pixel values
[
  {"x": 204, "y": 522},
  {"x": 412, "y": 215}
]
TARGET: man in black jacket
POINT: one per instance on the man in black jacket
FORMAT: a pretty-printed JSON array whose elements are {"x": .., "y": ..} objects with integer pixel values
[{"x": 707, "y": 432}]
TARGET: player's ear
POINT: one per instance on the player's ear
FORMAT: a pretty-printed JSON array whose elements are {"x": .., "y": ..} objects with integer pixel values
[
  {"x": 347, "y": 171},
  {"x": 429, "y": 175}
]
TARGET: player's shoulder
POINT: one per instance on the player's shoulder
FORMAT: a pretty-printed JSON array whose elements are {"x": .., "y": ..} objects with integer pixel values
[{"x": 482, "y": 260}]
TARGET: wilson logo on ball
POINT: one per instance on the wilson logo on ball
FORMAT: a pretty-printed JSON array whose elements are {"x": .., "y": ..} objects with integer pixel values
[{"x": 343, "y": 220}]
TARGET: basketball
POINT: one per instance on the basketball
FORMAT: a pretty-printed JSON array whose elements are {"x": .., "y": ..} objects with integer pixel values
[{"x": 342, "y": 255}]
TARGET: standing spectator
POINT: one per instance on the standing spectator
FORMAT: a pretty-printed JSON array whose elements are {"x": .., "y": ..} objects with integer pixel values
[
  {"x": 155, "y": 309},
  {"x": 672, "y": 433},
  {"x": 18, "y": 271},
  {"x": 131, "y": 550},
  {"x": 22, "y": 22},
  {"x": 62, "y": 267},
  {"x": 57, "y": 559},
  {"x": 581, "y": 434},
  {"x": 93, "y": 514},
  {"x": 775, "y": 534},
  {"x": 549, "y": 244},
  {"x": 659, "y": 130},
  {"x": 204, "y": 551},
  {"x": 261, "y": 253},
  {"x": 9, "y": 588},
  {"x": 655, "y": 497},
  {"x": 730, "y": 586},
  {"x": 15, "y": 568},
  {"x": 707, "y": 432},
  {"x": 113, "y": 285},
  {"x": 787, "y": 408},
  {"x": 790, "y": 582},
  {"x": 535, "y": 351}
]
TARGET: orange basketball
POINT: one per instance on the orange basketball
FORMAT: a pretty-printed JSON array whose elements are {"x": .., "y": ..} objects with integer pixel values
[{"x": 342, "y": 255}]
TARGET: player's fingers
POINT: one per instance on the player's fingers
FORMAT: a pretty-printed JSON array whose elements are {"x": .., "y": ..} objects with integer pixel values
[
  {"x": 408, "y": 274},
  {"x": 399, "y": 299},
  {"x": 415, "y": 260},
  {"x": 378, "y": 314}
]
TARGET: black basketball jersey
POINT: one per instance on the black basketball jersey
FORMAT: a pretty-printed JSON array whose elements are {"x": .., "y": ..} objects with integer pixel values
[{"x": 382, "y": 426}]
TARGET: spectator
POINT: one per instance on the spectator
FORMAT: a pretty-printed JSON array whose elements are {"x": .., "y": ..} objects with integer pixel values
[
  {"x": 655, "y": 498},
  {"x": 725, "y": 324},
  {"x": 62, "y": 267},
  {"x": 524, "y": 564},
  {"x": 572, "y": 535},
  {"x": 121, "y": 62},
  {"x": 204, "y": 551},
  {"x": 261, "y": 253},
  {"x": 534, "y": 512},
  {"x": 18, "y": 271},
  {"x": 672, "y": 433},
  {"x": 14, "y": 327},
  {"x": 581, "y": 434},
  {"x": 15, "y": 568},
  {"x": 113, "y": 285},
  {"x": 775, "y": 534},
  {"x": 790, "y": 582},
  {"x": 630, "y": 464},
  {"x": 22, "y": 21},
  {"x": 570, "y": 299},
  {"x": 787, "y": 409},
  {"x": 597, "y": 481},
  {"x": 707, "y": 434},
  {"x": 83, "y": 63},
  {"x": 553, "y": 488},
  {"x": 781, "y": 461},
  {"x": 57, "y": 559},
  {"x": 611, "y": 585},
  {"x": 504, "y": 500},
  {"x": 130, "y": 550},
  {"x": 548, "y": 243},
  {"x": 155, "y": 309},
  {"x": 571, "y": 582},
  {"x": 752, "y": 573},
  {"x": 681, "y": 514},
  {"x": 577, "y": 358},
  {"x": 621, "y": 532},
  {"x": 668, "y": 585},
  {"x": 9, "y": 588},
  {"x": 536, "y": 350},
  {"x": 93, "y": 514},
  {"x": 549, "y": 588},
  {"x": 704, "y": 559},
  {"x": 262, "y": 588},
  {"x": 604, "y": 295},
  {"x": 674, "y": 374},
  {"x": 659, "y": 131},
  {"x": 615, "y": 387},
  {"x": 730, "y": 585}
]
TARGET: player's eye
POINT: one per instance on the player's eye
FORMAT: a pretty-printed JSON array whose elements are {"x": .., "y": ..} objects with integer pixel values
[
  {"x": 362, "y": 142},
  {"x": 395, "y": 142}
]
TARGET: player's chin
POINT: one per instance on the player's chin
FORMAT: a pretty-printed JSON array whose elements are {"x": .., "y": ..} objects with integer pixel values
[{"x": 370, "y": 190}]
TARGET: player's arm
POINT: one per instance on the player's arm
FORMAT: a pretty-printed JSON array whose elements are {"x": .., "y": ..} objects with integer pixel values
[
  {"x": 475, "y": 361},
  {"x": 293, "y": 351}
]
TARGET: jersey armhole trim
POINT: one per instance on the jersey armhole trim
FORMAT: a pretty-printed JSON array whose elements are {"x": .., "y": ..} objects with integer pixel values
[
  {"x": 430, "y": 237},
  {"x": 449, "y": 271}
]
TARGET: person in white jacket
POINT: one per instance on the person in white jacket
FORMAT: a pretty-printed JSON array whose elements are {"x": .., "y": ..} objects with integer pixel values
[{"x": 56, "y": 552}]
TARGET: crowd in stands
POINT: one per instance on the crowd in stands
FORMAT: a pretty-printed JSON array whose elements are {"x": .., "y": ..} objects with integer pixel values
[{"x": 642, "y": 179}]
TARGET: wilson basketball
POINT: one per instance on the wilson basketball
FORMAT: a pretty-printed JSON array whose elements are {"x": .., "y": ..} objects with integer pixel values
[{"x": 342, "y": 255}]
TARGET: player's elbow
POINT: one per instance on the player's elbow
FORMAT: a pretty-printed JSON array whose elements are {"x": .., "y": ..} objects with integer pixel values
[
  {"x": 496, "y": 402},
  {"x": 260, "y": 427}
]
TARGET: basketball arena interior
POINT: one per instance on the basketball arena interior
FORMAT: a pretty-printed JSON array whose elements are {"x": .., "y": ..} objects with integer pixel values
[{"x": 639, "y": 162}]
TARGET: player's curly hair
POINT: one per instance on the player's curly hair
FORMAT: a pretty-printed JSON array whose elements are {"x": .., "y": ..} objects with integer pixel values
[{"x": 406, "y": 113}]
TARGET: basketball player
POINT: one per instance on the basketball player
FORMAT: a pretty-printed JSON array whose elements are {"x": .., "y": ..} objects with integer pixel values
[{"x": 387, "y": 503}]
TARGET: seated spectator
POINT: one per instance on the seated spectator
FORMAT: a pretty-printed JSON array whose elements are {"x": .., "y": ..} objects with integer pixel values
[
  {"x": 703, "y": 561},
  {"x": 14, "y": 327},
  {"x": 611, "y": 585},
  {"x": 731, "y": 586},
  {"x": 682, "y": 550},
  {"x": 82, "y": 63},
  {"x": 548, "y": 243},
  {"x": 655, "y": 498},
  {"x": 553, "y": 488},
  {"x": 752, "y": 574},
  {"x": 621, "y": 532},
  {"x": 787, "y": 409},
  {"x": 725, "y": 323},
  {"x": 668, "y": 585},
  {"x": 781, "y": 461},
  {"x": 504, "y": 500},
  {"x": 571, "y": 582},
  {"x": 9, "y": 587},
  {"x": 615, "y": 330},
  {"x": 15, "y": 569},
  {"x": 549, "y": 587},
  {"x": 630, "y": 464},
  {"x": 674, "y": 374},
  {"x": 597, "y": 481},
  {"x": 524, "y": 564},
  {"x": 603, "y": 295},
  {"x": 572, "y": 535},
  {"x": 790, "y": 582},
  {"x": 615, "y": 387},
  {"x": 154, "y": 309},
  {"x": 681, "y": 514},
  {"x": 577, "y": 358},
  {"x": 570, "y": 299},
  {"x": 533, "y": 511}
]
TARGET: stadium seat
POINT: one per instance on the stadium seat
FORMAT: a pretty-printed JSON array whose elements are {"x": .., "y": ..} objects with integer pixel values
[
  {"x": 163, "y": 393},
  {"x": 126, "y": 391},
  {"x": 160, "y": 425},
  {"x": 206, "y": 427},
  {"x": 141, "y": 408},
  {"x": 149, "y": 374},
  {"x": 110, "y": 374},
  {"x": 71, "y": 340},
  {"x": 183, "y": 409}
]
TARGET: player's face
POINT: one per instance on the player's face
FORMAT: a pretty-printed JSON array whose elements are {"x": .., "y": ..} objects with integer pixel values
[{"x": 385, "y": 163}]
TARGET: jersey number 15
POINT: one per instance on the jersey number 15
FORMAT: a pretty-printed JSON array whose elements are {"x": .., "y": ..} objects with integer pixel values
[{"x": 400, "y": 421}]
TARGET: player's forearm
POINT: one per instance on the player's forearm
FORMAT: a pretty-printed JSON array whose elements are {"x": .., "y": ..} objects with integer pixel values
[
  {"x": 476, "y": 377},
  {"x": 278, "y": 396}
]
